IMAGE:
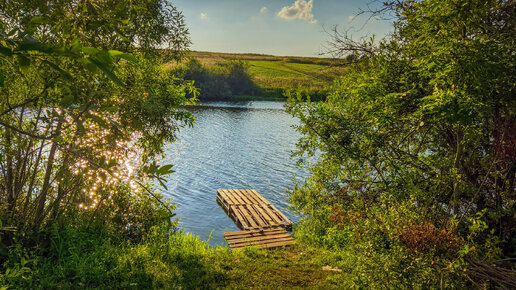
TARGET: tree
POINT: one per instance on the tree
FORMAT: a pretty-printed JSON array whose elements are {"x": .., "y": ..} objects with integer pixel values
[
  {"x": 82, "y": 93},
  {"x": 422, "y": 128}
]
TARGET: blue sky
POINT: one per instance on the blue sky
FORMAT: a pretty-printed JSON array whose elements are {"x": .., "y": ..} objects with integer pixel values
[{"x": 277, "y": 27}]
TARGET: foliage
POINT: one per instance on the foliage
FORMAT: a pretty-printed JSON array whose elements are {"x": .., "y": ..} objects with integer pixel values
[
  {"x": 82, "y": 94},
  {"x": 271, "y": 76},
  {"x": 220, "y": 82},
  {"x": 419, "y": 132},
  {"x": 95, "y": 257}
]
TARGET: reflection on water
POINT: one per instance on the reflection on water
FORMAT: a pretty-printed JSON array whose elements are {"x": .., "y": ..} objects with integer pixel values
[{"x": 233, "y": 145}]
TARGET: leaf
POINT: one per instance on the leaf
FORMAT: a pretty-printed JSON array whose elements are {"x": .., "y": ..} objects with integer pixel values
[
  {"x": 108, "y": 72},
  {"x": 167, "y": 169},
  {"x": 89, "y": 50},
  {"x": 97, "y": 120},
  {"x": 123, "y": 37},
  {"x": 23, "y": 60},
  {"x": 30, "y": 43},
  {"x": 39, "y": 20},
  {"x": 116, "y": 124},
  {"x": 65, "y": 74},
  {"x": 126, "y": 56},
  {"x": 111, "y": 163},
  {"x": 162, "y": 184},
  {"x": 67, "y": 100},
  {"x": 6, "y": 51},
  {"x": 89, "y": 65},
  {"x": 80, "y": 126},
  {"x": 2, "y": 78}
]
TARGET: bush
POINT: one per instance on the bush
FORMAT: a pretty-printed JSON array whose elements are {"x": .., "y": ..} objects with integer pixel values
[
  {"x": 93, "y": 256},
  {"x": 219, "y": 82},
  {"x": 412, "y": 175}
]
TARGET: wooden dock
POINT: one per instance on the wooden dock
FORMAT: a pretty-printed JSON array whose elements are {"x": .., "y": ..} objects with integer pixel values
[{"x": 262, "y": 224}]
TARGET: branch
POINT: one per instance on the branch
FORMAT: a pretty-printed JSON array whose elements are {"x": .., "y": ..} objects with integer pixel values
[
  {"x": 28, "y": 133},
  {"x": 110, "y": 172}
]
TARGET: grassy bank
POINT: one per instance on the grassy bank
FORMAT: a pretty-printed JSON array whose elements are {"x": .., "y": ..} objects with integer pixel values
[{"x": 94, "y": 257}]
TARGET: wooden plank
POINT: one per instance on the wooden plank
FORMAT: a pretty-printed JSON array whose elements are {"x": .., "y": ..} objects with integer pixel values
[
  {"x": 258, "y": 232},
  {"x": 249, "y": 218},
  {"x": 272, "y": 206},
  {"x": 270, "y": 244},
  {"x": 234, "y": 196},
  {"x": 287, "y": 221},
  {"x": 223, "y": 196},
  {"x": 252, "y": 197},
  {"x": 256, "y": 239},
  {"x": 265, "y": 216},
  {"x": 256, "y": 216},
  {"x": 259, "y": 196},
  {"x": 257, "y": 236},
  {"x": 221, "y": 199},
  {"x": 236, "y": 237},
  {"x": 254, "y": 234},
  {"x": 228, "y": 198},
  {"x": 223, "y": 203},
  {"x": 272, "y": 214},
  {"x": 241, "y": 195},
  {"x": 240, "y": 219}
]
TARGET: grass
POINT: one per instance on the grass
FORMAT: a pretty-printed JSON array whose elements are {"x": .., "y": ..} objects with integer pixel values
[
  {"x": 276, "y": 74},
  {"x": 295, "y": 266},
  {"x": 91, "y": 257}
]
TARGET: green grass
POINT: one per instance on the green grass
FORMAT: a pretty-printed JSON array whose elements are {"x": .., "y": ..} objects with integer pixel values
[
  {"x": 276, "y": 74},
  {"x": 93, "y": 257}
]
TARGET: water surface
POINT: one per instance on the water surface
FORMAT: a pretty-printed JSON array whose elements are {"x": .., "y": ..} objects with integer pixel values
[{"x": 233, "y": 145}]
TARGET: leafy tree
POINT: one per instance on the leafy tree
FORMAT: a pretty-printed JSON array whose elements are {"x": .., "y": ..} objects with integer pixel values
[
  {"x": 420, "y": 138},
  {"x": 219, "y": 82},
  {"x": 82, "y": 96}
]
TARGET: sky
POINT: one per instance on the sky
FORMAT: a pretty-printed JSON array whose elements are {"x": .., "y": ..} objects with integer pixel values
[{"x": 277, "y": 27}]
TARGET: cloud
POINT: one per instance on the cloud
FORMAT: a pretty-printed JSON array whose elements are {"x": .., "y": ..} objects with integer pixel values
[
  {"x": 204, "y": 16},
  {"x": 263, "y": 10},
  {"x": 301, "y": 9},
  {"x": 351, "y": 17}
]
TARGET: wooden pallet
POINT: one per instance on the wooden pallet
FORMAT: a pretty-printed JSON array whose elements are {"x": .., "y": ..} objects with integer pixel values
[
  {"x": 250, "y": 210},
  {"x": 270, "y": 238}
]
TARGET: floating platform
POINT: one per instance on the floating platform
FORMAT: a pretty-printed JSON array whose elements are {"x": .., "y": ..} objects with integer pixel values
[
  {"x": 262, "y": 224},
  {"x": 250, "y": 210}
]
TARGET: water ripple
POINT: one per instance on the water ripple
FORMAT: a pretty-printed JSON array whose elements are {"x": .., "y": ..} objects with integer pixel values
[{"x": 233, "y": 145}]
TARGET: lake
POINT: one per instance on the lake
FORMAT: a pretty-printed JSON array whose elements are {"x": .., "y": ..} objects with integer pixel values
[{"x": 232, "y": 145}]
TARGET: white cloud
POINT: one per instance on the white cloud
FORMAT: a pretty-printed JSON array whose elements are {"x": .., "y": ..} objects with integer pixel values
[
  {"x": 301, "y": 9},
  {"x": 204, "y": 16},
  {"x": 263, "y": 10}
]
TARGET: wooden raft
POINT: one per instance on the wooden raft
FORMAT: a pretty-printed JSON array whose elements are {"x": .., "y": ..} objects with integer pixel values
[
  {"x": 250, "y": 210},
  {"x": 269, "y": 238},
  {"x": 262, "y": 223}
]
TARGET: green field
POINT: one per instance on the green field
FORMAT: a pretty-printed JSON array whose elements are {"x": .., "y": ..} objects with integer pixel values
[{"x": 279, "y": 73}]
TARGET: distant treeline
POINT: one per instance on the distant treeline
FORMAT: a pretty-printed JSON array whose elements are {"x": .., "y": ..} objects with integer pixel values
[
  {"x": 228, "y": 80},
  {"x": 219, "y": 82}
]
